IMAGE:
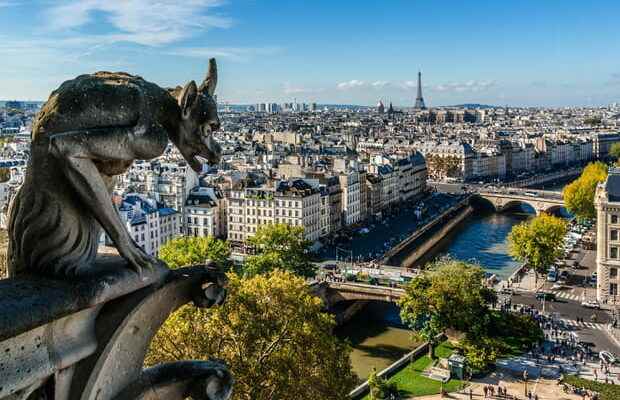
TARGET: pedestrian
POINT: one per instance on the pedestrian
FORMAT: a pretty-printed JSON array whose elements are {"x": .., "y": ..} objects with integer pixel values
[
  {"x": 485, "y": 390},
  {"x": 471, "y": 394}
]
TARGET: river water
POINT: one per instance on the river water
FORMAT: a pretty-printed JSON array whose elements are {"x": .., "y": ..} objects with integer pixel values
[{"x": 376, "y": 333}]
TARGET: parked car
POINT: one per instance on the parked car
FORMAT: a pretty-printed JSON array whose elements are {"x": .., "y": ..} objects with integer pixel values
[
  {"x": 591, "y": 304},
  {"x": 547, "y": 296},
  {"x": 552, "y": 276}
]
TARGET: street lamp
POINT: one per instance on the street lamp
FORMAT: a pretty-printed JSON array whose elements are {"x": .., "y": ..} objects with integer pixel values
[{"x": 525, "y": 381}]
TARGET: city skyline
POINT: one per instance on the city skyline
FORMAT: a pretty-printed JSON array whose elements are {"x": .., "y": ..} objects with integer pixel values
[{"x": 525, "y": 54}]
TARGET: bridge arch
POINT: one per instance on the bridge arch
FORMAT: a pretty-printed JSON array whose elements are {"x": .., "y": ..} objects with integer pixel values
[
  {"x": 513, "y": 204},
  {"x": 478, "y": 202},
  {"x": 558, "y": 211}
]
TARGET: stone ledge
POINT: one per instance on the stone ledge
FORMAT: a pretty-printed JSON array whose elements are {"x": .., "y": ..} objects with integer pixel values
[{"x": 29, "y": 302}]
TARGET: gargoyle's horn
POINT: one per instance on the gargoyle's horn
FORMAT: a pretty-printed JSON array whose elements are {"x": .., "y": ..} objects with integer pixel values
[{"x": 211, "y": 80}]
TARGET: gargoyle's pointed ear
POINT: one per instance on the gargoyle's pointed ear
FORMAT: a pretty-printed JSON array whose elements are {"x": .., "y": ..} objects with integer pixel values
[
  {"x": 188, "y": 95},
  {"x": 210, "y": 81}
]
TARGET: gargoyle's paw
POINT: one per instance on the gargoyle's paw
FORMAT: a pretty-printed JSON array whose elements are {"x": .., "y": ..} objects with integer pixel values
[{"x": 138, "y": 260}]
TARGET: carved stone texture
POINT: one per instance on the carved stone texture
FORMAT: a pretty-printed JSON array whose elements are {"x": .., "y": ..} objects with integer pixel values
[
  {"x": 91, "y": 129},
  {"x": 89, "y": 340},
  {"x": 200, "y": 380}
]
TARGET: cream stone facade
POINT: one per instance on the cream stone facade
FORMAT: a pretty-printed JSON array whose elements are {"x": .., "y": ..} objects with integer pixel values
[{"x": 607, "y": 202}]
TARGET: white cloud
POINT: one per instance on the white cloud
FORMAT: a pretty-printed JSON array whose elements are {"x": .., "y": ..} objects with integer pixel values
[
  {"x": 233, "y": 53},
  {"x": 290, "y": 89},
  {"x": 139, "y": 21},
  {"x": 469, "y": 86},
  {"x": 354, "y": 83},
  {"x": 380, "y": 84}
]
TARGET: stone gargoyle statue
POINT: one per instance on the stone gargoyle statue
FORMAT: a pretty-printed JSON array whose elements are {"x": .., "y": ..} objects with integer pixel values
[{"x": 92, "y": 128}]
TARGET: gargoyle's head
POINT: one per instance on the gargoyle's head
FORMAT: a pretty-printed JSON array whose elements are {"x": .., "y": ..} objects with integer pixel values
[{"x": 199, "y": 120}]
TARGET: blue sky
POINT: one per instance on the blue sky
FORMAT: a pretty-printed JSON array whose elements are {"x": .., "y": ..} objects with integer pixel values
[{"x": 534, "y": 53}]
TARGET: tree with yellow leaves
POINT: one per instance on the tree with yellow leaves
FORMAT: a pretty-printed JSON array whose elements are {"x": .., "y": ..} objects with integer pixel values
[
  {"x": 272, "y": 333},
  {"x": 579, "y": 195}
]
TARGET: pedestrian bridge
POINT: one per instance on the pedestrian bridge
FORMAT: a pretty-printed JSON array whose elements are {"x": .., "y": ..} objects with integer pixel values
[
  {"x": 333, "y": 293},
  {"x": 539, "y": 200}
]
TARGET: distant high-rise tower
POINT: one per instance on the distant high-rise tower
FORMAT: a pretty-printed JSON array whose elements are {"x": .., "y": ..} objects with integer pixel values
[{"x": 419, "y": 100}]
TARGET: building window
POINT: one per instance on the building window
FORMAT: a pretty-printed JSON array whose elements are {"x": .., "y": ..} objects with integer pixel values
[
  {"x": 613, "y": 252},
  {"x": 613, "y": 235},
  {"x": 613, "y": 272},
  {"x": 613, "y": 289},
  {"x": 614, "y": 219}
]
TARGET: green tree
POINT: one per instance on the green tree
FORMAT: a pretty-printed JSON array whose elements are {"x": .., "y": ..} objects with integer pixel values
[
  {"x": 5, "y": 174},
  {"x": 279, "y": 246},
  {"x": 538, "y": 242},
  {"x": 614, "y": 151},
  {"x": 380, "y": 388},
  {"x": 190, "y": 250},
  {"x": 579, "y": 194},
  {"x": 450, "y": 294},
  {"x": 272, "y": 333}
]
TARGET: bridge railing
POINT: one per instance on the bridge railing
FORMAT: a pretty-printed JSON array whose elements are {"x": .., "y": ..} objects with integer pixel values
[{"x": 87, "y": 339}]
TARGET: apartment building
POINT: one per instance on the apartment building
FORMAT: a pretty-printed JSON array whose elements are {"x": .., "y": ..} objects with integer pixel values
[
  {"x": 607, "y": 202},
  {"x": 150, "y": 224},
  {"x": 202, "y": 212},
  {"x": 295, "y": 203}
]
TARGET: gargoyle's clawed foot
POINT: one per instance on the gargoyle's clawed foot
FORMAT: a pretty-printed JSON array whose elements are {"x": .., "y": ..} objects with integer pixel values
[{"x": 138, "y": 259}]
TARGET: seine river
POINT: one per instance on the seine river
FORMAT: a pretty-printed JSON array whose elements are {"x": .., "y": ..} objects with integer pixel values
[{"x": 376, "y": 333}]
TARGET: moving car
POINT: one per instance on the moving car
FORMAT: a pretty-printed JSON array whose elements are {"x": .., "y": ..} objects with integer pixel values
[{"x": 591, "y": 304}]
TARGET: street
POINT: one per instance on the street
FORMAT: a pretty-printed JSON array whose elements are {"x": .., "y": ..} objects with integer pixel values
[{"x": 568, "y": 311}]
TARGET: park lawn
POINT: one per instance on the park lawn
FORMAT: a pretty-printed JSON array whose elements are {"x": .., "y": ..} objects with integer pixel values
[{"x": 410, "y": 381}]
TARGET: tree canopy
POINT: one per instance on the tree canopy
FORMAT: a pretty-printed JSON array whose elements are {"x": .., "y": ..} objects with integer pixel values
[
  {"x": 272, "y": 333},
  {"x": 449, "y": 294},
  {"x": 5, "y": 174},
  {"x": 614, "y": 151},
  {"x": 579, "y": 194},
  {"x": 594, "y": 120},
  {"x": 190, "y": 250},
  {"x": 279, "y": 246},
  {"x": 538, "y": 242}
]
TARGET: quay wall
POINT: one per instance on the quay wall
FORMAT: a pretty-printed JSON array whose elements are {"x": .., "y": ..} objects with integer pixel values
[
  {"x": 402, "y": 362},
  {"x": 429, "y": 243},
  {"x": 447, "y": 220},
  {"x": 393, "y": 253}
]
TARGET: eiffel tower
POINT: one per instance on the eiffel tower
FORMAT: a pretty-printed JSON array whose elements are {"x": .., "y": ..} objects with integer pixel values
[{"x": 419, "y": 100}]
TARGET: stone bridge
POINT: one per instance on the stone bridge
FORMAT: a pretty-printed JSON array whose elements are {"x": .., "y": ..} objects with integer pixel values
[
  {"x": 539, "y": 200},
  {"x": 333, "y": 293}
]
